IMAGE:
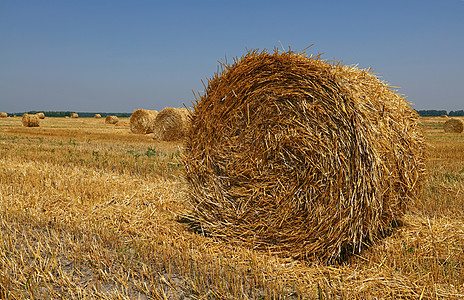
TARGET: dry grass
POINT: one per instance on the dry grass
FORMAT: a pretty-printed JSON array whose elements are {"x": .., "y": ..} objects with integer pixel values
[{"x": 92, "y": 211}]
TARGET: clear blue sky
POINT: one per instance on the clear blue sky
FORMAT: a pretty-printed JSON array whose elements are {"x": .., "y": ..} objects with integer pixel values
[{"x": 118, "y": 56}]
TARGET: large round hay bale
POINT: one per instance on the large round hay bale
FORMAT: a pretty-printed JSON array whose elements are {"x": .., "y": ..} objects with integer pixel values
[
  {"x": 453, "y": 126},
  {"x": 41, "y": 115},
  {"x": 299, "y": 157},
  {"x": 74, "y": 115},
  {"x": 3, "y": 115},
  {"x": 97, "y": 116},
  {"x": 171, "y": 124},
  {"x": 111, "y": 119},
  {"x": 142, "y": 121},
  {"x": 30, "y": 120}
]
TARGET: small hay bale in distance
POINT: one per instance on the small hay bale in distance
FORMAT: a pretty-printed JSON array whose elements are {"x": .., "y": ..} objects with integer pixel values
[
  {"x": 302, "y": 158},
  {"x": 30, "y": 120},
  {"x": 74, "y": 115},
  {"x": 453, "y": 126},
  {"x": 111, "y": 119},
  {"x": 444, "y": 116},
  {"x": 142, "y": 121},
  {"x": 3, "y": 115},
  {"x": 97, "y": 116},
  {"x": 41, "y": 115},
  {"x": 171, "y": 124}
]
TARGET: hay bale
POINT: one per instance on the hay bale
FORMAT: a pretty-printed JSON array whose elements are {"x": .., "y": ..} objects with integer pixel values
[
  {"x": 111, "y": 119},
  {"x": 292, "y": 155},
  {"x": 74, "y": 115},
  {"x": 40, "y": 115},
  {"x": 30, "y": 120},
  {"x": 453, "y": 126},
  {"x": 66, "y": 117},
  {"x": 123, "y": 124},
  {"x": 142, "y": 121},
  {"x": 97, "y": 116},
  {"x": 444, "y": 116},
  {"x": 171, "y": 124},
  {"x": 3, "y": 115}
]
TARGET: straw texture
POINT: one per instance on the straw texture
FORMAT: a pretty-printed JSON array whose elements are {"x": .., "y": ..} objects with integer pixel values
[
  {"x": 30, "y": 120},
  {"x": 111, "y": 119},
  {"x": 453, "y": 126},
  {"x": 171, "y": 124},
  {"x": 299, "y": 157},
  {"x": 142, "y": 121}
]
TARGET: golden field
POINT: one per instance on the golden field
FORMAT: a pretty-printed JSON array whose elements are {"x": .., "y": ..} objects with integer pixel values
[{"x": 90, "y": 211}]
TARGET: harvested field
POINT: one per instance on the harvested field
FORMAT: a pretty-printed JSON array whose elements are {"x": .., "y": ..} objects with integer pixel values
[{"x": 93, "y": 211}]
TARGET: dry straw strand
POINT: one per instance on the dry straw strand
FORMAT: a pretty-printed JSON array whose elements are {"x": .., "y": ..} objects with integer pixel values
[
  {"x": 453, "y": 126},
  {"x": 171, "y": 124},
  {"x": 30, "y": 120},
  {"x": 302, "y": 158},
  {"x": 111, "y": 119},
  {"x": 3, "y": 115},
  {"x": 142, "y": 121}
]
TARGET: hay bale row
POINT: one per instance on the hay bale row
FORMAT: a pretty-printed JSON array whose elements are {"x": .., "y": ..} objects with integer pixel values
[
  {"x": 74, "y": 115},
  {"x": 171, "y": 124},
  {"x": 3, "y": 115},
  {"x": 30, "y": 120},
  {"x": 142, "y": 121},
  {"x": 453, "y": 126},
  {"x": 111, "y": 119},
  {"x": 302, "y": 158}
]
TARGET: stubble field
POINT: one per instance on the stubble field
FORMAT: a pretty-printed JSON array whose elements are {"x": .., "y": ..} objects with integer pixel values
[{"x": 90, "y": 211}]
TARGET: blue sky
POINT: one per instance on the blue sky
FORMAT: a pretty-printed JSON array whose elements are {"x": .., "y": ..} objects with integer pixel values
[{"x": 118, "y": 56}]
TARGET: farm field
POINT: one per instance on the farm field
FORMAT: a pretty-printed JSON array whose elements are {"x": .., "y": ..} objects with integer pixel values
[{"x": 89, "y": 210}]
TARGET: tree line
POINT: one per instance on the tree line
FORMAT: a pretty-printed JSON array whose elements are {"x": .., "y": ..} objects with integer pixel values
[
  {"x": 437, "y": 113},
  {"x": 68, "y": 113}
]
